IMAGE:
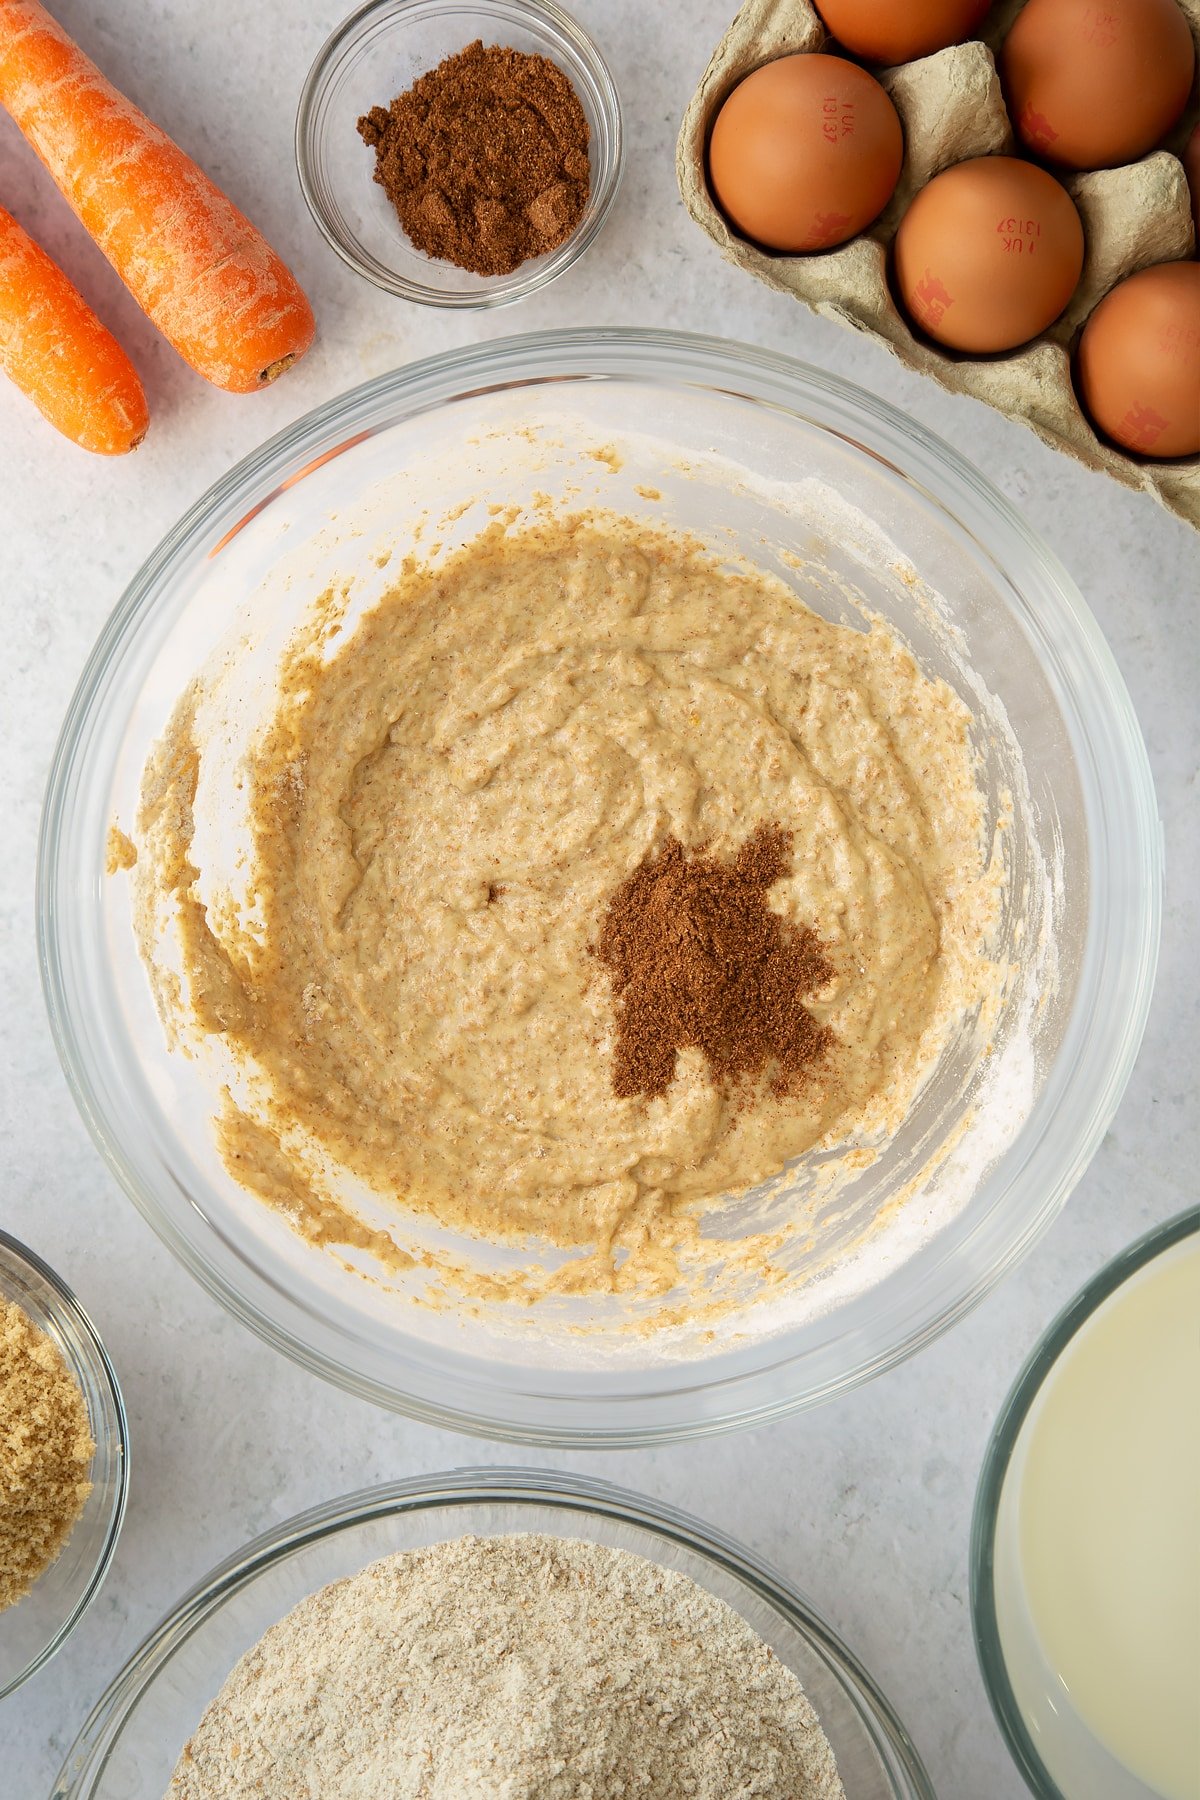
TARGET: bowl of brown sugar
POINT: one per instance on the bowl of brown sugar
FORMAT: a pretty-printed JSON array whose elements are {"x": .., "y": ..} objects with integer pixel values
[
  {"x": 459, "y": 155},
  {"x": 64, "y": 1463}
]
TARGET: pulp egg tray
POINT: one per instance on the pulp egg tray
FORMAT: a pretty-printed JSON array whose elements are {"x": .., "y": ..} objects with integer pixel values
[{"x": 952, "y": 108}]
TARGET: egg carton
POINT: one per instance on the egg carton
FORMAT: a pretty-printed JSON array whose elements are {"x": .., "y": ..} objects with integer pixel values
[{"x": 952, "y": 108}]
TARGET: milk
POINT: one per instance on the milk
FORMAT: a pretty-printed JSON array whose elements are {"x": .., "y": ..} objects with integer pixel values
[{"x": 1097, "y": 1554}]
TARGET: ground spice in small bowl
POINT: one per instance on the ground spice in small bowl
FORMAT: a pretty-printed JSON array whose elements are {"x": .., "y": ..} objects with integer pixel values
[
  {"x": 46, "y": 1448},
  {"x": 485, "y": 158}
]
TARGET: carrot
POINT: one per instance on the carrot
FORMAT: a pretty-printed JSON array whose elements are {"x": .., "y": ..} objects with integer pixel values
[
  {"x": 210, "y": 281},
  {"x": 57, "y": 351}
]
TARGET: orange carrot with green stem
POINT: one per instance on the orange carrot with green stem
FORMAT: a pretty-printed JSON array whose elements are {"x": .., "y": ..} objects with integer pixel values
[
  {"x": 193, "y": 262},
  {"x": 55, "y": 349}
]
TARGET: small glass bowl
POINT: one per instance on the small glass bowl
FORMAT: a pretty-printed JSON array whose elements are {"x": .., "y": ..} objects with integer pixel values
[
  {"x": 1070, "y": 1741},
  {"x": 36, "y": 1626},
  {"x": 377, "y": 53},
  {"x": 128, "y": 1747}
]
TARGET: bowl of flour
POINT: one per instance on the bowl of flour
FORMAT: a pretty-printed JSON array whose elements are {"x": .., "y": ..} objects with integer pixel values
[{"x": 519, "y": 1635}]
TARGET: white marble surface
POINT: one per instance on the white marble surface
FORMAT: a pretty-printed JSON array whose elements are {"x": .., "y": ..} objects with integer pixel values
[{"x": 866, "y": 1502}]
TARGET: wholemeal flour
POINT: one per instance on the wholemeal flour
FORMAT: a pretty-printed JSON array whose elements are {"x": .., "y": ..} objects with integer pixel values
[{"x": 510, "y": 1668}]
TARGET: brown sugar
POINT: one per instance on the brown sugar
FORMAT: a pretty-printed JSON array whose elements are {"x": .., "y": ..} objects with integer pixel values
[
  {"x": 485, "y": 158},
  {"x": 46, "y": 1449},
  {"x": 698, "y": 959}
]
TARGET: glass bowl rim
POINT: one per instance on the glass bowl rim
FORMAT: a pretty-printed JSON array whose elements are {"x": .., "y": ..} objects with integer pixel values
[
  {"x": 1036, "y": 1368},
  {"x": 480, "y": 1486},
  {"x": 965, "y": 500},
  {"x": 117, "y": 1449},
  {"x": 569, "y": 37}
]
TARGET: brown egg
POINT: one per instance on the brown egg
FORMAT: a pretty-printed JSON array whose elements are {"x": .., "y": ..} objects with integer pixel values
[
  {"x": 896, "y": 31},
  {"x": 1091, "y": 86},
  {"x": 805, "y": 152},
  {"x": 988, "y": 254},
  {"x": 1137, "y": 368}
]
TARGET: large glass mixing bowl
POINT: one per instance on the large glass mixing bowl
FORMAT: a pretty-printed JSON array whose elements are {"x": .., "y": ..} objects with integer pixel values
[{"x": 864, "y": 513}]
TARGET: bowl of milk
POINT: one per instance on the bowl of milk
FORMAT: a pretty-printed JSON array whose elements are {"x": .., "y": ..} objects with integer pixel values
[{"x": 1085, "y": 1551}]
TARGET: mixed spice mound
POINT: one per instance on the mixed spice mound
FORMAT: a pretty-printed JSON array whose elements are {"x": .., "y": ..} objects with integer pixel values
[
  {"x": 698, "y": 959},
  {"x": 484, "y": 158}
]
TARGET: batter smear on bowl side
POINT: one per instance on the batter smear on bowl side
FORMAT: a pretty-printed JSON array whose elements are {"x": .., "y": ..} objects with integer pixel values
[{"x": 477, "y": 817}]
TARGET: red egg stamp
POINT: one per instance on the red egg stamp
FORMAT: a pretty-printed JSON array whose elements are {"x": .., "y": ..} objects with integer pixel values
[
  {"x": 1020, "y": 235},
  {"x": 831, "y": 228},
  {"x": 1179, "y": 341},
  {"x": 930, "y": 299},
  {"x": 1036, "y": 129},
  {"x": 1141, "y": 427},
  {"x": 837, "y": 119},
  {"x": 1099, "y": 28}
]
